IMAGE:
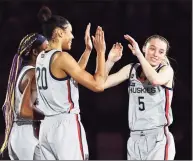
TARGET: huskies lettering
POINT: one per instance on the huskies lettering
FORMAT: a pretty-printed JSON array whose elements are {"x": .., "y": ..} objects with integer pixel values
[{"x": 142, "y": 90}]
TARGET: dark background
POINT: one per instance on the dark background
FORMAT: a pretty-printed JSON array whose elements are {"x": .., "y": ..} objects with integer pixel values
[{"x": 104, "y": 115}]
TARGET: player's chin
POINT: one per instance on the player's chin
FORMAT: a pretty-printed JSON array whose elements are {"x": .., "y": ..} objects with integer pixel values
[
  {"x": 69, "y": 46},
  {"x": 153, "y": 63}
]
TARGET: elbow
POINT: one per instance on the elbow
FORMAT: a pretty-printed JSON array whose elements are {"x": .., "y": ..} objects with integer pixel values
[
  {"x": 25, "y": 114},
  {"x": 155, "y": 82},
  {"x": 22, "y": 113},
  {"x": 98, "y": 88}
]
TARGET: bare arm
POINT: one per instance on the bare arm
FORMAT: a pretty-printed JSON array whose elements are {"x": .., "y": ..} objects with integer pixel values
[
  {"x": 165, "y": 75},
  {"x": 26, "y": 105},
  {"x": 27, "y": 108},
  {"x": 85, "y": 56},
  {"x": 119, "y": 77},
  {"x": 108, "y": 66},
  {"x": 71, "y": 67},
  {"x": 84, "y": 59},
  {"x": 115, "y": 55}
]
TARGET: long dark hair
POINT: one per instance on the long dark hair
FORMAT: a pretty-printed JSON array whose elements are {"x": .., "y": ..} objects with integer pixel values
[{"x": 50, "y": 22}]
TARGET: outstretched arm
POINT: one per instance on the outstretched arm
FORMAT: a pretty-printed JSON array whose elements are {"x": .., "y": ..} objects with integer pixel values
[
  {"x": 70, "y": 66},
  {"x": 119, "y": 77},
  {"x": 84, "y": 59},
  {"x": 85, "y": 56},
  {"x": 163, "y": 77},
  {"x": 115, "y": 55}
]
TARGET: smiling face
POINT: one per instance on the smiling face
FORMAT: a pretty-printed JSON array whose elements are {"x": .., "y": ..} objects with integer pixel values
[
  {"x": 67, "y": 37},
  {"x": 155, "y": 51}
]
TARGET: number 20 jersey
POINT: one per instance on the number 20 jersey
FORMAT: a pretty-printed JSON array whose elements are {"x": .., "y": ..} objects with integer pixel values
[
  {"x": 149, "y": 106},
  {"x": 55, "y": 96}
]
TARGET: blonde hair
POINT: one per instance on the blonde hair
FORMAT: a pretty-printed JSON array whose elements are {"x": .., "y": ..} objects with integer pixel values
[{"x": 166, "y": 61}]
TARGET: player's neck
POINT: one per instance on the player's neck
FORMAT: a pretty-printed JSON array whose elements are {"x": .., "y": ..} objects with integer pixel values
[
  {"x": 32, "y": 61},
  {"x": 31, "y": 64},
  {"x": 155, "y": 67},
  {"x": 54, "y": 46}
]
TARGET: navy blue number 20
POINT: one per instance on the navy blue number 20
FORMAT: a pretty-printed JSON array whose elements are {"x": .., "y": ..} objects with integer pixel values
[{"x": 42, "y": 78}]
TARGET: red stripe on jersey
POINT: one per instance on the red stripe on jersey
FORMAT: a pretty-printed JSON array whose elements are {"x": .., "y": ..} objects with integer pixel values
[
  {"x": 69, "y": 95},
  {"x": 166, "y": 146},
  {"x": 167, "y": 105},
  {"x": 79, "y": 137}
]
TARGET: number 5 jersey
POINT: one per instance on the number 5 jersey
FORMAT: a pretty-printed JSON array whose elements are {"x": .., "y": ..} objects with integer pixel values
[{"x": 149, "y": 106}]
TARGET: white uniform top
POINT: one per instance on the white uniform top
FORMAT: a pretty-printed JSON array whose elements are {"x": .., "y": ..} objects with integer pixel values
[
  {"x": 22, "y": 142},
  {"x": 149, "y": 106},
  {"x": 55, "y": 95},
  {"x": 18, "y": 94}
]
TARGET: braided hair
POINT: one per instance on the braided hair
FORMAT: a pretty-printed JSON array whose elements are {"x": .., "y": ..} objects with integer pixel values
[{"x": 22, "y": 56}]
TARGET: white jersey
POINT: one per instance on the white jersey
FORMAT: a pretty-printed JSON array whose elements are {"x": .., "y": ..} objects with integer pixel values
[
  {"x": 55, "y": 95},
  {"x": 22, "y": 142},
  {"x": 149, "y": 106},
  {"x": 18, "y": 94}
]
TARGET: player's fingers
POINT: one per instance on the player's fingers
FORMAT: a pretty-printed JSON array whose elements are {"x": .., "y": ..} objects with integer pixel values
[{"x": 130, "y": 47}]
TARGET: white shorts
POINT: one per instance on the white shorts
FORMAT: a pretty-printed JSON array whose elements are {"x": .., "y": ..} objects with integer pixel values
[
  {"x": 155, "y": 144},
  {"x": 23, "y": 145},
  {"x": 62, "y": 137}
]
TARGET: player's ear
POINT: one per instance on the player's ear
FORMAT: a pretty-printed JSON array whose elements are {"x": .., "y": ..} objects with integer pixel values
[{"x": 35, "y": 52}]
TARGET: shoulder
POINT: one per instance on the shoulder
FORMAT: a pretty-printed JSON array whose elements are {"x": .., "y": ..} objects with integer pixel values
[
  {"x": 61, "y": 55},
  {"x": 129, "y": 67},
  {"x": 167, "y": 72},
  {"x": 64, "y": 61},
  {"x": 28, "y": 76},
  {"x": 65, "y": 57},
  {"x": 168, "y": 69},
  {"x": 64, "y": 54},
  {"x": 126, "y": 70}
]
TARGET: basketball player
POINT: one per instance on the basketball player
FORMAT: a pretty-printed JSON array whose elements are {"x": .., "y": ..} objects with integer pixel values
[
  {"x": 62, "y": 136},
  {"x": 19, "y": 134},
  {"x": 150, "y": 95}
]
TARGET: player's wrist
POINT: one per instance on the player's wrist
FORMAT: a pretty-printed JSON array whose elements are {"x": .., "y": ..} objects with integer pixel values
[{"x": 110, "y": 62}]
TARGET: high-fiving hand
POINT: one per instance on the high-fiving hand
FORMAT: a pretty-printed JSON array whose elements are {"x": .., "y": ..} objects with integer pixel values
[
  {"x": 87, "y": 38},
  {"x": 116, "y": 52},
  {"x": 99, "y": 40},
  {"x": 133, "y": 46}
]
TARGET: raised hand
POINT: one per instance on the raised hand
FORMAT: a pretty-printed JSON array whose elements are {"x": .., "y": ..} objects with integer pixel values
[
  {"x": 115, "y": 53},
  {"x": 99, "y": 40},
  {"x": 133, "y": 45},
  {"x": 87, "y": 38}
]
